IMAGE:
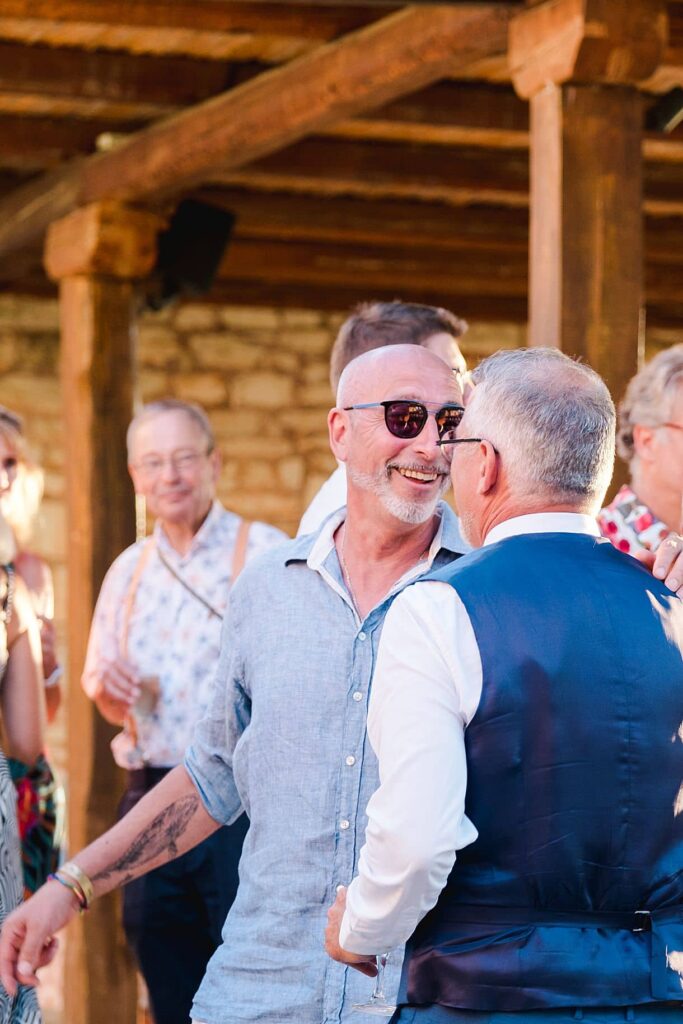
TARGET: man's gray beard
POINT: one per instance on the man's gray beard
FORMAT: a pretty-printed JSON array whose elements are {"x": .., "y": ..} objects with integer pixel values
[{"x": 414, "y": 513}]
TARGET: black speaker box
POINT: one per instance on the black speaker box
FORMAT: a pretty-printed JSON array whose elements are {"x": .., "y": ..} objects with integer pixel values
[{"x": 190, "y": 252}]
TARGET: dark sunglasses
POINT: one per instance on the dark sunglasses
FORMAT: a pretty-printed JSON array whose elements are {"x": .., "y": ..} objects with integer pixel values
[{"x": 405, "y": 419}]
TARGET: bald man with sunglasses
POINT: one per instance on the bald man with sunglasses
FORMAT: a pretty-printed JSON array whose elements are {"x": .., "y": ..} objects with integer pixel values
[
  {"x": 285, "y": 737},
  {"x": 373, "y": 325}
]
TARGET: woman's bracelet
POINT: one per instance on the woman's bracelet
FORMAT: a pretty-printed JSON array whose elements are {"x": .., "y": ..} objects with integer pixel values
[
  {"x": 77, "y": 875},
  {"x": 72, "y": 887}
]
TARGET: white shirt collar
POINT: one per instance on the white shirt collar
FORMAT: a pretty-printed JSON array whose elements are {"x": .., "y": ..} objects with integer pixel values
[{"x": 544, "y": 522}]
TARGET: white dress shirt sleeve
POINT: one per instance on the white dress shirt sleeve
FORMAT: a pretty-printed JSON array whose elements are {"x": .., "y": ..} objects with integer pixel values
[{"x": 426, "y": 688}]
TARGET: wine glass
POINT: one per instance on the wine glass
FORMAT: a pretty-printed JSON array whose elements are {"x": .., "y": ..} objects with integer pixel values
[{"x": 377, "y": 1003}]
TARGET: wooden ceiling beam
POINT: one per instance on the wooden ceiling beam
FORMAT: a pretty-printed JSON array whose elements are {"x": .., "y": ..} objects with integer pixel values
[
  {"x": 348, "y": 220},
  {"x": 343, "y": 297},
  {"x": 328, "y": 167},
  {"x": 198, "y": 28},
  {"x": 415, "y": 226},
  {"x": 405, "y": 51},
  {"x": 405, "y": 223},
  {"x": 481, "y": 272},
  {"x": 447, "y": 113},
  {"x": 376, "y": 266},
  {"x": 466, "y": 104},
  {"x": 39, "y": 143},
  {"x": 32, "y": 78}
]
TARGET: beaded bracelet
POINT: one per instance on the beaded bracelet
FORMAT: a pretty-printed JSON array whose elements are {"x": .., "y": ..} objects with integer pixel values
[{"x": 73, "y": 887}]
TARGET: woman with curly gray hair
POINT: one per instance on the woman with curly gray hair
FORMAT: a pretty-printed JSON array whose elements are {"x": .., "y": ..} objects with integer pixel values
[{"x": 650, "y": 440}]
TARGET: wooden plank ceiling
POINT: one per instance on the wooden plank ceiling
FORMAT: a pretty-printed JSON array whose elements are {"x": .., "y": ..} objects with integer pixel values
[{"x": 424, "y": 197}]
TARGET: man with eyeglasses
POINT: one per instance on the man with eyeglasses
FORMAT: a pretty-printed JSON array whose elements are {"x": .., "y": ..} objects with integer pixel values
[
  {"x": 527, "y": 835},
  {"x": 650, "y": 439},
  {"x": 373, "y": 325},
  {"x": 152, "y": 653},
  {"x": 285, "y": 734}
]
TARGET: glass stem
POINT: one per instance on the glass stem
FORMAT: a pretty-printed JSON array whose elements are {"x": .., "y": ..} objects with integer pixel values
[{"x": 379, "y": 980}]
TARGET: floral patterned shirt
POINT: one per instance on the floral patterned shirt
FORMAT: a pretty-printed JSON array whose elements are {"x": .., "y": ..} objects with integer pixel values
[
  {"x": 631, "y": 526},
  {"x": 171, "y": 635}
]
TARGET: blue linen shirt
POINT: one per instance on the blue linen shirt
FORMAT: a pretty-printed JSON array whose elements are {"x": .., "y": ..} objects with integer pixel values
[{"x": 285, "y": 739}]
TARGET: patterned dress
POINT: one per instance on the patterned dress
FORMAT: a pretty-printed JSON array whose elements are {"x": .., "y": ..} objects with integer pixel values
[{"x": 23, "y": 1009}]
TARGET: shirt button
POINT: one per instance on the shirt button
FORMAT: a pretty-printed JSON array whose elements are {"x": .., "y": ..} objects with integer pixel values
[
  {"x": 350, "y": 760},
  {"x": 344, "y": 824},
  {"x": 357, "y": 696},
  {"x": 362, "y": 635}
]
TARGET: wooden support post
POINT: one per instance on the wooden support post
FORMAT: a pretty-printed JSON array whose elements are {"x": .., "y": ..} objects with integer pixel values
[
  {"x": 96, "y": 254},
  {"x": 586, "y": 226},
  {"x": 577, "y": 62}
]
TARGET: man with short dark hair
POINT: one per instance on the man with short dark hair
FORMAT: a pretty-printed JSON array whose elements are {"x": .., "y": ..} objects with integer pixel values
[
  {"x": 526, "y": 713},
  {"x": 374, "y": 325}
]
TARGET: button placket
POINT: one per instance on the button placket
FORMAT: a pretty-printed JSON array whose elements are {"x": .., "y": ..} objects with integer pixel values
[{"x": 349, "y": 794}]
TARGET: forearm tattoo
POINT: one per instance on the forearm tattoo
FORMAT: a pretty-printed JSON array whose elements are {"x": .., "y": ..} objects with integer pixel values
[{"x": 160, "y": 837}]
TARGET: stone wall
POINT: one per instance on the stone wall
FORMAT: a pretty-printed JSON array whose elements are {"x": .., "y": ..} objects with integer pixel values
[{"x": 262, "y": 375}]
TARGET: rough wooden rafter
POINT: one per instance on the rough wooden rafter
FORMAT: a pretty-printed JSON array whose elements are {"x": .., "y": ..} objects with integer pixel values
[
  {"x": 402, "y": 52},
  {"x": 71, "y": 82},
  {"x": 201, "y": 28}
]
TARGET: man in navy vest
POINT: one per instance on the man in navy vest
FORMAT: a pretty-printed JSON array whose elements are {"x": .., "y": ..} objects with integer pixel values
[{"x": 527, "y": 836}]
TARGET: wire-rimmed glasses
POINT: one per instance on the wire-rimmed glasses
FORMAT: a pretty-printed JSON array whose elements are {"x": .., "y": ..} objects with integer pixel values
[{"x": 465, "y": 440}]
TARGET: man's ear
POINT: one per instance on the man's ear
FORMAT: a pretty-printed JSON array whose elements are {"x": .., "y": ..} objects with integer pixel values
[
  {"x": 488, "y": 472},
  {"x": 643, "y": 442},
  {"x": 216, "y": 463},
  {"x": 338, "y": 426},
  {"x": 134, "y": 477}
]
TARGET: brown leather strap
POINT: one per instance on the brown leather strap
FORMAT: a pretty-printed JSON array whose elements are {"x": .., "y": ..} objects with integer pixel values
[
  {"x": 238, "y": 560},
  {"x": 188, "y": 587},
  {"x": 129, "y": 600},
  {"x": 240, "y": 552},
  {"x": 129, "y": 723}
]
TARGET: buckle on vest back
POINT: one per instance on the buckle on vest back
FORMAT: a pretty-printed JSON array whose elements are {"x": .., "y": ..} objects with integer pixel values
[{"x": 643, "y": 921}]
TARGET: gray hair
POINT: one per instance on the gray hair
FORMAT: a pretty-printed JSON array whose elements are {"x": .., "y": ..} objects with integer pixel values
[
  {"x": 192, "y": 411},
  {"x": 552, "y": 419},
  {"x": 649, "y": 397}
]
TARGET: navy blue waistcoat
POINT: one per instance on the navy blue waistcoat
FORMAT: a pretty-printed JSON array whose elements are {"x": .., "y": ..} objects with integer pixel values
[{"x": 575, "y": 785}]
